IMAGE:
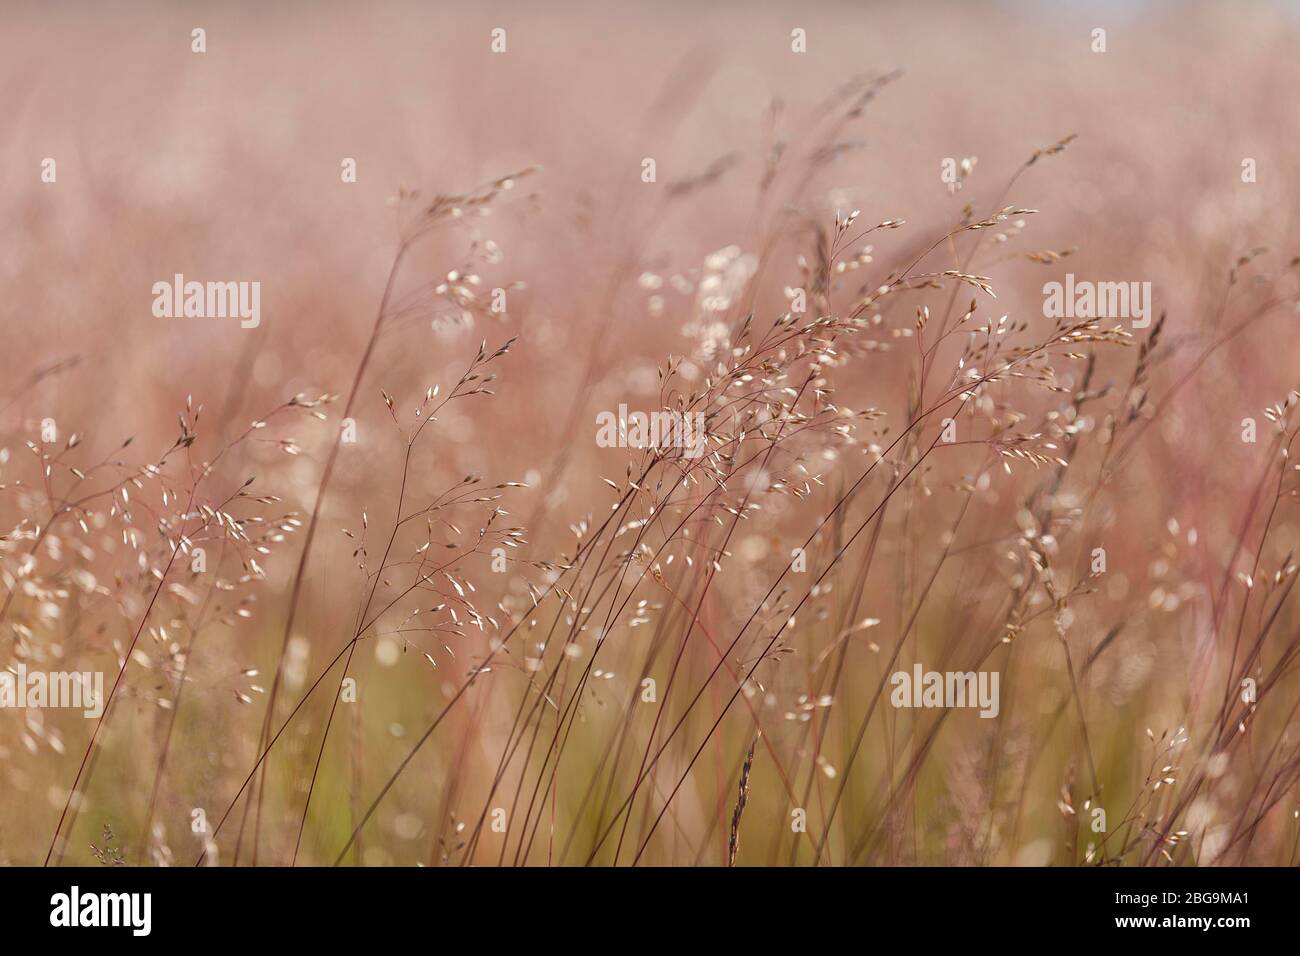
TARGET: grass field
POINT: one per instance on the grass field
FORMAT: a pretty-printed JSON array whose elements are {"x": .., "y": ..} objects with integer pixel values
[{"x": 655, "y": 438}]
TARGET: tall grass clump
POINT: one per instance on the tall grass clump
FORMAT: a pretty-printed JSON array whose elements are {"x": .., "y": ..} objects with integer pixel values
[{"x": 662, "y": 655}]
